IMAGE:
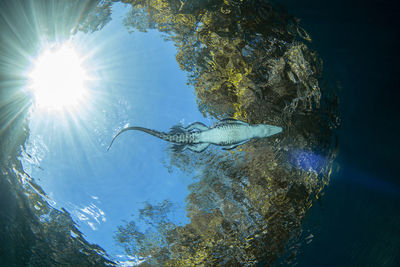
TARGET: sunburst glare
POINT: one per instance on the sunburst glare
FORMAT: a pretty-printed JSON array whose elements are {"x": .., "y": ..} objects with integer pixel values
[{"x": 58, "y": 79}]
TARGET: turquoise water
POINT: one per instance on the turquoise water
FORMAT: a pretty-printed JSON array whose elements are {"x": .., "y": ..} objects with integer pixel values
[{"x": 321, "y": 193}]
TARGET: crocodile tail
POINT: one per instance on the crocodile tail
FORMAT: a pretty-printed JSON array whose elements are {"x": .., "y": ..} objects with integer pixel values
[{"x": 155, "y": 133}]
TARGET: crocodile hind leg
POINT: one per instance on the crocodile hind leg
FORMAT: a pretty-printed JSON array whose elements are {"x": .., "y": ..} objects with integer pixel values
[
  {"x": 196, "y": 126},
  {"x": 198, "y": 147},
  {"x": 178, "y": 148}
]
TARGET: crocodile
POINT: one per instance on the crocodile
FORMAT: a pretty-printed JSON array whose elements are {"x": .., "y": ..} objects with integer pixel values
[{"x": 228, "y": 133}]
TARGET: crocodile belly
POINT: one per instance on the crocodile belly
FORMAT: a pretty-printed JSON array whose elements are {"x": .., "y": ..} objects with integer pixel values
[{"x": 225, "y": 135}]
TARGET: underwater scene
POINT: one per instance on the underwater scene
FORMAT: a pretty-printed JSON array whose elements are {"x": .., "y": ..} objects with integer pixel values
[{"x": 199, "y": 133}]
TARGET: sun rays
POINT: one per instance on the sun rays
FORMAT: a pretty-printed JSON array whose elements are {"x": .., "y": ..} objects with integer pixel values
[{"x": 58, "y": 79}]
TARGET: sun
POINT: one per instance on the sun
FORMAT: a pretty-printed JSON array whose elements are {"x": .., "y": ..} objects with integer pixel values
[{"x": 58, "y": 78}]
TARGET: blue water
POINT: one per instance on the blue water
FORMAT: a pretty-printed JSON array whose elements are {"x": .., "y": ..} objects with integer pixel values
[
  {"x": 357, "y": 222},
  {"x": 137, "y": 81}
]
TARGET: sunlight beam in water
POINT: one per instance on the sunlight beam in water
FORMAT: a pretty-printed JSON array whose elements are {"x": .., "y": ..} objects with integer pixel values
[{"x": 58, "y": 79}]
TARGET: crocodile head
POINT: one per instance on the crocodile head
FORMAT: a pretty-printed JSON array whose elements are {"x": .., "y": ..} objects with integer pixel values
[{"x": 264, "y": 130}]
